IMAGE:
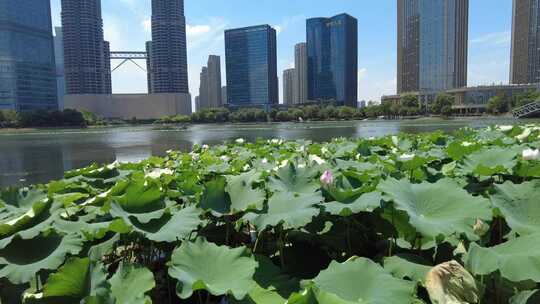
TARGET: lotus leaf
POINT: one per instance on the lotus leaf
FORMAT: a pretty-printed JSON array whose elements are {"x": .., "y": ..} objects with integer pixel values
[
  {"x": 242, "y": 192},
  {"x": 292, "y": 210},
  {"x": 365, "y": 203},
  {"x": 218, "y": 269},
  {"x": 442, "y": 208},
  {"x": 517, "y": 260},
  {"x": 519, "y": 205},
  {"x": 407, "y": 266},
  {"x": 24, "y": 258},
  {"x": 526, "y": 297},
  {"x": 489, "y": 161},
  {"x": 130, "y": 284},
  {"x": 360, "y": 280},
  {"x": 215, "y": 198},
  {"x": 292, "y": 178}
]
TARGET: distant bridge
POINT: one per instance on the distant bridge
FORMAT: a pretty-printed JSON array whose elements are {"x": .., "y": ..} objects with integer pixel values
[
  {"x": 129, "y": 56},
  {"x": 527, "y": 110}
]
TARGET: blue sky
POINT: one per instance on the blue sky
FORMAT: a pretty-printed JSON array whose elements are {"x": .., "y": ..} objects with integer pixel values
[{"x": 126, "y": 24}]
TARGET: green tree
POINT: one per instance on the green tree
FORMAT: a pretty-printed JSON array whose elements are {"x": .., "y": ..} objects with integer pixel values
[
  {"x": 526, "y": 98},
  {"x": 443, "y": 104},
  {"x": 498, "y": 105}
]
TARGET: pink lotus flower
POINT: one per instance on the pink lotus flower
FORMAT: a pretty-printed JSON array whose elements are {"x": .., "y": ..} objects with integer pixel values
[{"x": 327, "y": 178}]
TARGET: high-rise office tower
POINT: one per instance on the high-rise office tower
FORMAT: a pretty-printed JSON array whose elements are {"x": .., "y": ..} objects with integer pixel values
[
  {"x": 214, "y": 81},
  {"x": 525, "y": 58},
  {"x": 149, "y": 67},
  {"x": 86, "y": 57},
  {"x": 332, "y": 52},
  {"x": 301, "y": 75},
  {"x": 432, "y": 45},
  {"x": 59, "y": 60},
  {"x": 27, "y": 68},
  {"x": 289, "y": 76},
  {"x": 169, "y": 54},
  {"x": 223, "y": 95},
  {"x": 203, "y": 89},
  {"x": 251, "y": 61}
]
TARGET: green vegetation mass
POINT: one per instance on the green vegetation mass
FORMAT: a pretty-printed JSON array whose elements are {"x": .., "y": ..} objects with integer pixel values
[{"x": 348, "y": 221}]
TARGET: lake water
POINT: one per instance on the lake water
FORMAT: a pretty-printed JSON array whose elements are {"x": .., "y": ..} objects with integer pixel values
[{"x": 41, "y": 156}]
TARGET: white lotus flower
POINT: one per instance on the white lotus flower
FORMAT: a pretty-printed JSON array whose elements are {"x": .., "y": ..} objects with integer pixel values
[
  {"x": 466, "y": 144},
  {"x": 224, "y": 158},
  {"x": 523, "y": 136},
  {"x": 240, "y": 141},
  {"x": 205, "y": 147},
  {"x": 327, "y": 178},
  {"x": 505, "y": 128},
  {"x": 276, "y": 141},
  {"x": 371, "y": 138},
  {"x": 301, "y": 166},
  {"x": 317, "y": 159},
  {"x": 324, "y": 150},
  {"x": 284, "y": 163},
  {"x": 264, "y": 161},
  {"x": 158, "y": 172},
  {"x": 530, "y": 154},
  {"x": 194, "y": 156},
  {"x": 406, "y": 157},
  {"x": 246, "y": 167},
  {"x": 395, "y": 151}
]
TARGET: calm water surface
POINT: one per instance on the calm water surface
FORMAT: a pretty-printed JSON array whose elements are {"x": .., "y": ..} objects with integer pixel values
[{"x": 41, "y": 156}]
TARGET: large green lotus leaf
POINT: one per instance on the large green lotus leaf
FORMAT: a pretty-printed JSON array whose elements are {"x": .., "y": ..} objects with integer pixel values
[
  {"x": 243, "y": 195},
  {"x": 293, "y": 210},
  {"x": 30, "y": 224},
  {"x": 78, "y": 281},
  {"x": 312, "y": 295},
  {"x": 363, "y": 281},
  {"x": 291, "y": 178},
  {"x": 526, "y": 297},
  {"x": 171, "y": 227},
  {"x": 142, "y": 196},
  {"x": 365, "y": 203},
  {"x": 130, "y": 284},
  {"x": 218, "y": 269},
  {"x": 457, "y": 150},
  {"x": 215, "y": 198},
  {"x": 272, "y": 286},
  {"x": 517, "y": 260},
  {"x": 442, "y": 208},
  {"x": 520, "y": 205},
  {"x": 489, "y": 161},
  {"x": 96, "y": 252},
  {"x": 407, "y": 266},
  {"x": 24, "y": 258},
  {"x": 20, "y": 200}
]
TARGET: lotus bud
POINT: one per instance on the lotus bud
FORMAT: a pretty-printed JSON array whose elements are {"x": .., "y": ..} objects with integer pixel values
[
  {"x": 530, "y": 154},
  {"x": 240, "y": 141},
  {"x": 406, "y": 157},
  {"x": 480, "y": 228},
  {"x": 317, "y": 159},
  {"x": 205, "y": 147},
  {"x": 327, "y": 178},
  {"x": 450, "y": 283}
]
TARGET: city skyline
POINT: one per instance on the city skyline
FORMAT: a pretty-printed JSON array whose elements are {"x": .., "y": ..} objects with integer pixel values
[{"x": 126, "y": 27}]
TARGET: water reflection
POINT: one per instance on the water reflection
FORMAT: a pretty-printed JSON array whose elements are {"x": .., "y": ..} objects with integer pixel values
[{"x": 39, "y": 157}]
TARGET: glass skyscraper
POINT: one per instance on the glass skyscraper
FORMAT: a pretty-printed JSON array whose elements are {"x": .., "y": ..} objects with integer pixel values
[
  {"x": 432, "y": 45},
  {"x": 251, "y": 61},
  {"x": 332, "y": 52},
  {"x": 525, "y": 58},
  {"x": 27, "y": 68}
]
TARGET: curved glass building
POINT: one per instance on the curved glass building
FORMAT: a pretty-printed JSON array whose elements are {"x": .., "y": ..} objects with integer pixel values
[{"x": 332, "y": 55}]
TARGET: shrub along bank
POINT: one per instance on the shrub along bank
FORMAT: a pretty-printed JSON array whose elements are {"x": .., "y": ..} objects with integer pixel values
[{"x": 398, "y": 219}]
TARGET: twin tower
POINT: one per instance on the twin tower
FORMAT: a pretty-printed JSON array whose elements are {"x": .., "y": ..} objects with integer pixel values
[{"x": 87, "y": 54}]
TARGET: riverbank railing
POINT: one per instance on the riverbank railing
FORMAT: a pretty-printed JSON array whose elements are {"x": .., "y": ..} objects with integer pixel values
[{"x": 526, "y": 110}]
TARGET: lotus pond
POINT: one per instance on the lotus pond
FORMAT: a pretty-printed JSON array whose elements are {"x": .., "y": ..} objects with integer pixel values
[{"x": 430, "y": 218}]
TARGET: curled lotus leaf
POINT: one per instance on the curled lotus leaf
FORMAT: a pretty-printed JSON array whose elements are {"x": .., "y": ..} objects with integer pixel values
[
  {"x": 77, "y": 281},
  {"x": 450, "y": 283},
  {"x": 407, "y": 266},
  {"x": 518, "y": 203},
  {"x": 171, "y": 227},
  {"x": 443, "y": 208},
  {"x": 220, "y": 270},
  {"x": 526, "y": 297},
  {"x": 517, "y": 260},
  {"x": 22, "y": 259}
]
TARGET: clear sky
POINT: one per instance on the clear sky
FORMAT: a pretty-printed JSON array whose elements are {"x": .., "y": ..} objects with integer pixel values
[{"x": 127, "y": 27}]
